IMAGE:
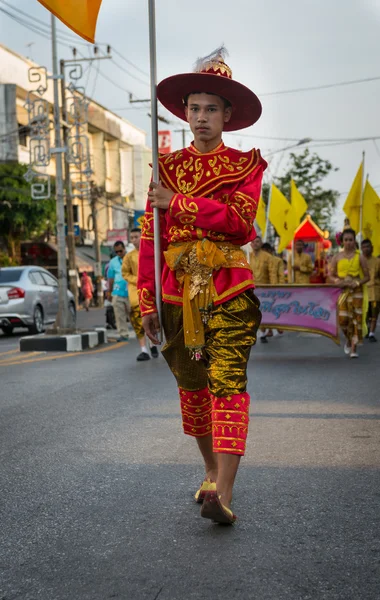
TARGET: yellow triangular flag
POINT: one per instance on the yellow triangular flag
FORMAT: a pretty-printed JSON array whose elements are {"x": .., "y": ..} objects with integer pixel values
[
  {"x": 283, "y": 218},
  {"x": 261, "y": 217},
  {"x": 78, "y": 15},
  {"x": 299, "y": 203},
  {"x": 371, "y": 217},
  {"x": 352, "y": 205}
]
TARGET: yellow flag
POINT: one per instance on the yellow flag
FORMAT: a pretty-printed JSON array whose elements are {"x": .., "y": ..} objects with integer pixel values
[
  {"x": 261, "y": 217},
  {"x": 79, "y": 15},
  {"x": 299, "y": 203},
  {"x": 352, "y": 205},
  {"x": 371, "y": 217},
  {"x": 283, "y": 217}
]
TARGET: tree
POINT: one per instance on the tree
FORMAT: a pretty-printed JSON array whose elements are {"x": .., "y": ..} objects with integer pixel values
[
  {"x": 308, "y": 171},
  {"x": 21, "y": 217}
]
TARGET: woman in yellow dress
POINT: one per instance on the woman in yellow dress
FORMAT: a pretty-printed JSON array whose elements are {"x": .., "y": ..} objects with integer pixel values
[{"x": 349, "y": 270}]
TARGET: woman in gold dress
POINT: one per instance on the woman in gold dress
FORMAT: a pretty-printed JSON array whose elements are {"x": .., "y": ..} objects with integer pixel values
[{"x": 349, "y": 270}]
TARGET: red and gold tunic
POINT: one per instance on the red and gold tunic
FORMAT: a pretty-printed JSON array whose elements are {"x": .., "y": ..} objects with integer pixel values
[{"x": 216, "y": 195}]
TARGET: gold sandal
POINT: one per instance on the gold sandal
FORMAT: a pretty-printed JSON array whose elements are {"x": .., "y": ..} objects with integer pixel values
[
  {"x": 213, "y": 509},
  {"x": 207, "y": 486}
]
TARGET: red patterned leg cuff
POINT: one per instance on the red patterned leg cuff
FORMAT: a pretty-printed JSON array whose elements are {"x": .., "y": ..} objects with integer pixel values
[
  {"x": 196, "y": 412},
  {"x": 230, "y": 417}
]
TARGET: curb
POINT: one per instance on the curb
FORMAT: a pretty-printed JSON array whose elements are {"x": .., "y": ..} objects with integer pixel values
[{"x": 64, "y": 343}]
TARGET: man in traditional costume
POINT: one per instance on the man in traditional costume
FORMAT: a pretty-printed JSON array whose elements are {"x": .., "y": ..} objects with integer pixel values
[
  {"x": 373, "y": 287},
  {"x": 208, "y": 198},
  {"x": 349, "y": 270},
  {"x": 278, "y": 262},
  {"x": 129, "y": 270},
  {"x": 302, "y": 267}
]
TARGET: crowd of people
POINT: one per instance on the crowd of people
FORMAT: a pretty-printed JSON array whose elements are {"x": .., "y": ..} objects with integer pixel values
[{"x": 357, "y": 273}]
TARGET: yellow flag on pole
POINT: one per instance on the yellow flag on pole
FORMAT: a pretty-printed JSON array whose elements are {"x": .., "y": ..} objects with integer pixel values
[
  {"x": 352, "y": 205},
  {"x": 261, "y": 217},
  {"x": 299, "y": 203},
  {"x": 78, "y": 15},
  {"x": 283, "y": 217},
  {"x": 371, "y": 217}
]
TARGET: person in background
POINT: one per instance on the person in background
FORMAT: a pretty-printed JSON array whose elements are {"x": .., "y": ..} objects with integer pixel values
[
  {"x": 302, "y": 267},
  {"x": 87, "y": 290},
  {"x": 118, "y": 290},
  {"x": 264, "y": 272},
  {"x": 320, "y": 269},
  {"x": 280, "y": 279},
  {"x": 279, "y": 263},
  {"x": 349, "y": 271},
  {"x": 129, "y": 270},
  {"x": 373, "y": 287}
]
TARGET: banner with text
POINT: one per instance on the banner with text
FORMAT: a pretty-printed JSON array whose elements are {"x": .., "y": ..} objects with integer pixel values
[{"x": 311, "y": 308}]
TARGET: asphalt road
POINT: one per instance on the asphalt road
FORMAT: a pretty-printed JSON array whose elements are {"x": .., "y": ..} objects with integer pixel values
[{"x": 97, "y": 479}]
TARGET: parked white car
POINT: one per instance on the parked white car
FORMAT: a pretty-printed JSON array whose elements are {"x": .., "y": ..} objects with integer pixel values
[{"x": 29, "y": 298}]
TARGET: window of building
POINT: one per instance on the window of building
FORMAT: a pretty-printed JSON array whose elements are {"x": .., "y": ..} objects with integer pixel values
[{"x": 23, "y": 133}]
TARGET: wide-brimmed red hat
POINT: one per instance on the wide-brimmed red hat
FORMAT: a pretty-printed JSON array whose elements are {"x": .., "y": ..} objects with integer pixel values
[{"x": 212, "y": 76}]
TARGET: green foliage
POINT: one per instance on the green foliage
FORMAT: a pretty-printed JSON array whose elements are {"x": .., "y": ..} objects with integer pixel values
[
  {"x": 309, "y": 171},
  {"x": 21, "y": 217}
]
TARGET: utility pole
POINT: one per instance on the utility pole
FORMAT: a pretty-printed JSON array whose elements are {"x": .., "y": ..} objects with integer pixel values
[
  {"x": 64, "y": 319},
  {"x": 69, "y": 200},
  {"x": 95, "y": 194}
]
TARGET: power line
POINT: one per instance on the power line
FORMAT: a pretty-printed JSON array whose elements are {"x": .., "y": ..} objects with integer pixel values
[
  {"x": 128, "y": 72},
  {"x": 321, "y": 87},
  {"x": 129, "y": 62}
]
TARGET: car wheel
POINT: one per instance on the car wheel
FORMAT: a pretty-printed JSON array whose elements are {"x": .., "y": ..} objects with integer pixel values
[
  {"x": 73, "y": 312},
  {"x": 7, "y": 329},
  {"x": 38, "y": 321}
]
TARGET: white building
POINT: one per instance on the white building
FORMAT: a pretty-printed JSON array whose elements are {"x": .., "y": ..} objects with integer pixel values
[{"x": 119, "y": 155}]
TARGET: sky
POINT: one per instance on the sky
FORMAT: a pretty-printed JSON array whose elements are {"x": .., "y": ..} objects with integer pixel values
[{"x": 273, "y": 46}]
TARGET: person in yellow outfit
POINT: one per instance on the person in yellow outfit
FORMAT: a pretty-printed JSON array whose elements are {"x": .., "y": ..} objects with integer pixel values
[
  {"x": 373, "y": 287},
  {"x": 129, "y": 271},
  {"x": 280, "y": 279},
  {"x": 302, "y": 267},
  {"x": 264, "y": 272},
  {"x": 349, "y": 270},
  {"x": 279, "y": 263}
]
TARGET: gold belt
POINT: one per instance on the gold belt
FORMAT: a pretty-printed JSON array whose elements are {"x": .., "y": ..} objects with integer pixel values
[{"x": 194, "y": 263}]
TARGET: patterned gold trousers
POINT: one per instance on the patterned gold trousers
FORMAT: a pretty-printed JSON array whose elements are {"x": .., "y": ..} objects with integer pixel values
[
  {"x": 136, "y": 321},
  {"x": 213, "y": 390},
  {"x": 351, "y": 315}
]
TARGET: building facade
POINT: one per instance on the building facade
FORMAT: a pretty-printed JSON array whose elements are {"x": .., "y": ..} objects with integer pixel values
[{"x": 117, "y": 154}]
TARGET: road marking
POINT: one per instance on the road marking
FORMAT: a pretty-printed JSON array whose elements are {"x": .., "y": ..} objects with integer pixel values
[
  {"x": 12, "y": 359},
  {"x": 9, "y": 352},
  {"x": 67, "y": 355}
]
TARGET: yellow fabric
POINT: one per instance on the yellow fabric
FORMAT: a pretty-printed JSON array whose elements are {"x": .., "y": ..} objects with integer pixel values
[
  {"x": 261, "y": 217},
  {"x": 350, "y": 268},
  {"x": 78, "y": 15},
  {"x": 280, "y": 271},
  {"x": 129, "y": 269},
  {"x": 373, "y": 285},
  {"x": 263, "y": 267},
  {"x": 194, "y": 263},
  {"x": 136, "y": 322},
  {"x": 352, "y": 205},
  {"x": 371, "y": 217},
  {"x": 299, "y": 203},
  {"x": 283, "y": 217},
  {"x": 304, "y": 262},
  {"x": 230, "y": 333}
]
